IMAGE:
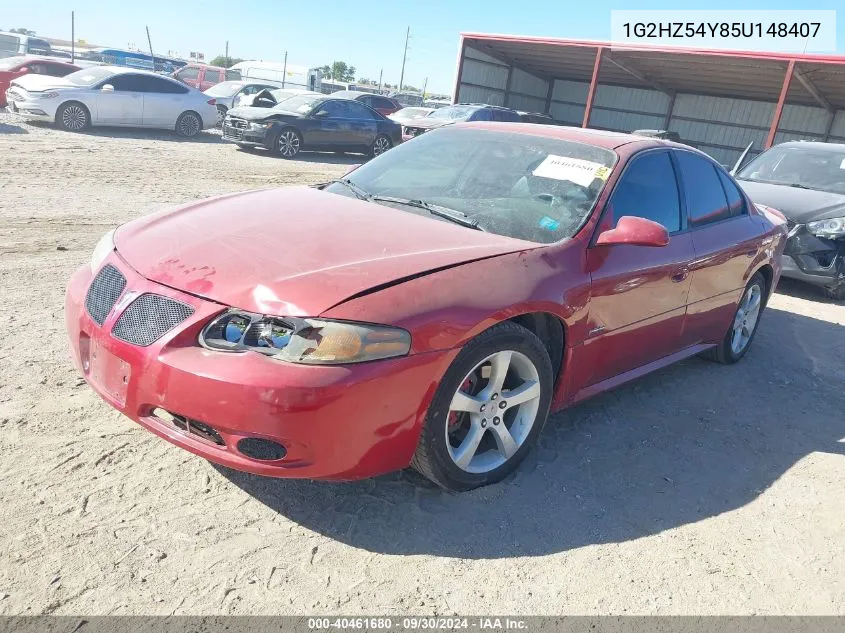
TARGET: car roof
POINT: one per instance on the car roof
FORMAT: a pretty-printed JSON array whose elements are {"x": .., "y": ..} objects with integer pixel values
[
  {"x": 29, "y": 59},
  {"x": 351, "y": 94},
  {"x": 598, "y": 138},
  {"x": 830, "y": 147}
]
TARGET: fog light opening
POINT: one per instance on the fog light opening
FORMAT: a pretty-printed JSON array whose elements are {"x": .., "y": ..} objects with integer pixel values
[
  {"x": 189, "y": 425},
  {"x": 261, "y": 449}
]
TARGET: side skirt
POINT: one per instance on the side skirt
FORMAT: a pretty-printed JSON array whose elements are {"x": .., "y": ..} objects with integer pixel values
[{"x": 615, "y": 381}]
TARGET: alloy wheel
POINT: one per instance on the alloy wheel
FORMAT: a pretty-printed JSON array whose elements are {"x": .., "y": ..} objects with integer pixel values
[
  {"x": 74, "y": 118},
  {"x": 493, "y": 412},
  {"x": 288, "y": 143},
  {"x": 381, "y": 145},
  {"x": 746, "y": 318},
  {"x": 189, "y": 125}
]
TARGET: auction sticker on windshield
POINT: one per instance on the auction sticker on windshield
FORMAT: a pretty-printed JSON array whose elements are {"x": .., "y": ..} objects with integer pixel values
[{"x": 581, "y": 172}]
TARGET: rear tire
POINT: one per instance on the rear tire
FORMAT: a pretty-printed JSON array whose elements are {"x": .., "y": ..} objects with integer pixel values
[
  {"x": 73, "y": 117},
  {"x": 221, "y": 114},
  {"x": 744, "y": 326},
  {"x": 380, "y": 145},
  {"x": 472, "y": 435},
  {"x": 189, "y": 124}
]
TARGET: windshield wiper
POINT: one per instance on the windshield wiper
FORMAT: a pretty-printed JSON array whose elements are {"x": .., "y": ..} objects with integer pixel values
[
  {"x": 798, "y": 185},
  {"x": 360, "y": 193},
  {"x": 453, "y": 215}
]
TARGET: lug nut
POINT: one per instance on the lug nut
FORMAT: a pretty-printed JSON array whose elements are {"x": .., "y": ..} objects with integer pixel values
[
  {"x": 484, "y": 424},
  {"x": 503, "y": 404},
  {"x": 496, "y": 420},
  {"x": 483, "y": 406},
  {"x": 495, "y": 396}
]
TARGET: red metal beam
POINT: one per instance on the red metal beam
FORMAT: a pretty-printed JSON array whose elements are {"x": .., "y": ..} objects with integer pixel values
[
  {"x": 787, "y": 79},
  {"x": 592, "y": 93}
]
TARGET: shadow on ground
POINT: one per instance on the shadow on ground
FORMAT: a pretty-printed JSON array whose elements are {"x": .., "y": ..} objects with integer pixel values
[
  {"x": 803, "y": 290},
  {"x": 686, "y": 443},
  {"x": 206, "y": 136},
  {"x": 7, "y": 128},
  {"x": 326, "y": 158}
]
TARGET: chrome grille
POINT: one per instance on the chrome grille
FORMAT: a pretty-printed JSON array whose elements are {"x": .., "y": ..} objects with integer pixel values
[
  {"x": 103, "y": 292},
  {"x": 148, "y": 318},
  {"x": 236, "y": 123}
]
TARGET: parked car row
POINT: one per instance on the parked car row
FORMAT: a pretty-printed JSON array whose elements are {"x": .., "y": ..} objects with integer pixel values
[{"x": 20, "y": 65}]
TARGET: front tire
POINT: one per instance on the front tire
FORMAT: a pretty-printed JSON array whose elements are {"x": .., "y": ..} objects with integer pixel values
[
  {"x": 380, "y": 145},
  {"x": 288, "y": 143},
  {"x": 488, "y": 411},
  {"x": 188, "y": 124},
  {"x": 73, "y": 117},
  {"x": 738, "y": 338}
]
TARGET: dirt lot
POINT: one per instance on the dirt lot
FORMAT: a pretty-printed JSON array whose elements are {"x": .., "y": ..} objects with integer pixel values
[{"x": 700, "y": 489}]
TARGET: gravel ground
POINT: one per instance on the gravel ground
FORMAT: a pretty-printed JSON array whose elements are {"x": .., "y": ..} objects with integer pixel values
[{"x": 700, "y": 489}]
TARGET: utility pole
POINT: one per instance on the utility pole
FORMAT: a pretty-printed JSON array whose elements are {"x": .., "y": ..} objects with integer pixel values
[
  {"x": 227, "y": 51},
  {"x": 404, "y": 57},
  {"x": 425, "y": 84},
  {"x": 150, "y": 42},
  {"x": 380, "y": 73},
  {"x": 72, "y": 38},
  {"x": 285, "y": 69}
]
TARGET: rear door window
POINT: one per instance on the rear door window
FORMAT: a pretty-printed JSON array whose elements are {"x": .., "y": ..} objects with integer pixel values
[
  {"x": 736, "y": 201},
  {"x": 128, "y": 83}
]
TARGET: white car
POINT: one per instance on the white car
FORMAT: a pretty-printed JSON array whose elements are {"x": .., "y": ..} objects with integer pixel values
[
  {"x": 112, "y": 95},
  {"x": 231, "y": 94}
]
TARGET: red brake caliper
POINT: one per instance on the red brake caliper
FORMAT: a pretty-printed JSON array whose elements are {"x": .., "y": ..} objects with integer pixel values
[{"x": 454, "y": 416}]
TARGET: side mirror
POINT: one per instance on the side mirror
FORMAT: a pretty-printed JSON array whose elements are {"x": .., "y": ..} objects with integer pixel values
[
  {"x": 107, "y": 88},
  {"x": 322, "y": 114},
  {"x": 351, "y": 169},
  {"x": 636, "y": 232}
]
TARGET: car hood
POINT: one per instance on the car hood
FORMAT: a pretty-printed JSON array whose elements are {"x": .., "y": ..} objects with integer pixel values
[
  {"x": 426, "y": 123},
  {"x": 798, "y": 205},
  {"x": 251, "y": 113},
  {"x": 296, "y": 251},
  {"x": 35, "y": 83}
]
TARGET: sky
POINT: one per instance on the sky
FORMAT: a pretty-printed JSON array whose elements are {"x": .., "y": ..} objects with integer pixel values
[{"x": 367, "y": 34}]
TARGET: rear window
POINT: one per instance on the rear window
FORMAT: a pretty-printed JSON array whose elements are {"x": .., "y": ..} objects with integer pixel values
[{"x": 233, "y": 75}]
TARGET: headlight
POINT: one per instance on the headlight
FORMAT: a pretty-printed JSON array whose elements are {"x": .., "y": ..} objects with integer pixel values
[
  {"x": 45, "y": 95},
  {"x": 833, "y": 228},
  {"x": 102, "y": 250},
  {"x": 260, "y": 126},
  {"x": 308, "y": 341}
]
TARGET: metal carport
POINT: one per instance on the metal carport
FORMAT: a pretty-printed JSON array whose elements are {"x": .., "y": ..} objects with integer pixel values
[{"x": 718, "y": 100}]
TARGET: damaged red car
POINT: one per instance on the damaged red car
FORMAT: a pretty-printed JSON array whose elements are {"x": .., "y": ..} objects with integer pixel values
[{"x": 430, "y": 308}]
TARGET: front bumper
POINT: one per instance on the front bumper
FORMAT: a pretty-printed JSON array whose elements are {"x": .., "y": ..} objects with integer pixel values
[
  {"x": 343, "y": 422},
  {"x": 814, "y": 260},
  {"x": 28, "y": 108},
  {"x": 245, "y": 136}
]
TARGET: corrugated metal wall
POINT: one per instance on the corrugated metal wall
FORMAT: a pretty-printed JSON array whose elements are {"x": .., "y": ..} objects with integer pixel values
[{"x": 720, "y": 126}]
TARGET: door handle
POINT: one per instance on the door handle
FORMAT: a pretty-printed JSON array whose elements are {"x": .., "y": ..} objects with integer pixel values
[{"x": 680, "y": 275}]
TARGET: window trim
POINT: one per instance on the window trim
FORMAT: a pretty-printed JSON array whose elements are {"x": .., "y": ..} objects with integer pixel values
[
  {"x": 681, "y": 199},
  {"x": 715, "y": 166}
]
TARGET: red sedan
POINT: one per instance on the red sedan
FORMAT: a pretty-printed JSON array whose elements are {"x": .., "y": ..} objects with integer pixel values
[
  {"x": 14, "y": 67},
  {"x": 428, "y": 309}
]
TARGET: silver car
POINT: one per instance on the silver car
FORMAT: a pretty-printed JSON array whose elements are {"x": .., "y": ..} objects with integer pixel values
[
  {"x": 112, "y": 95},
  {"x": 231, "y": 94}
]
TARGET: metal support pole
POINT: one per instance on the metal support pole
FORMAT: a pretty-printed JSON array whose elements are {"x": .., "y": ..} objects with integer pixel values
[
  {"x": 669, "y": 109},
  {"x": 592, "y": 92},
  {"x": 285, "y": 69},
  {"x": 770, "y": 140},
  {"x": 72, "y": 38}
]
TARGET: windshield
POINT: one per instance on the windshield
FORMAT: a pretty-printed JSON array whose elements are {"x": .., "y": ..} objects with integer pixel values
[
  {"x": 455, "y": 113},
  {"x": 300, "y": 104},
  {"x": 10, "y": 62},
  {"x": 519, "y": 185},
  {"x": 224, "y": 89},
  {"x": 89, "y": 76},
  {"x": 811, "y": 167},
  {"x": 412, "y": 113}
]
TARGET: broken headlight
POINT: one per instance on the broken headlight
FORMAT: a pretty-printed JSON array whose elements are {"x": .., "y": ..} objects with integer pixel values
[
  {"x": 308, "y": 341},
  {"x": 831, "y": 228}
]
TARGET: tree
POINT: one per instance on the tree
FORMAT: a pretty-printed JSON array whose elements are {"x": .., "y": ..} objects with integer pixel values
[
  {"x": 225, "y": 62},
  {"x": 338, "y": 71},
  {"x": 22, "y": 31}
]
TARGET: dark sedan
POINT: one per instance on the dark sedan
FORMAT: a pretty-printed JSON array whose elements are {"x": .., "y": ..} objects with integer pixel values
[
  {"x": 806, "y": 182},
  {"x": 312, "y": 122}
]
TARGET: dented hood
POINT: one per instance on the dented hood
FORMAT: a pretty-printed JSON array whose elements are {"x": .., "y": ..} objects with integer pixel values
[{"x": 296, "y": 251}]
